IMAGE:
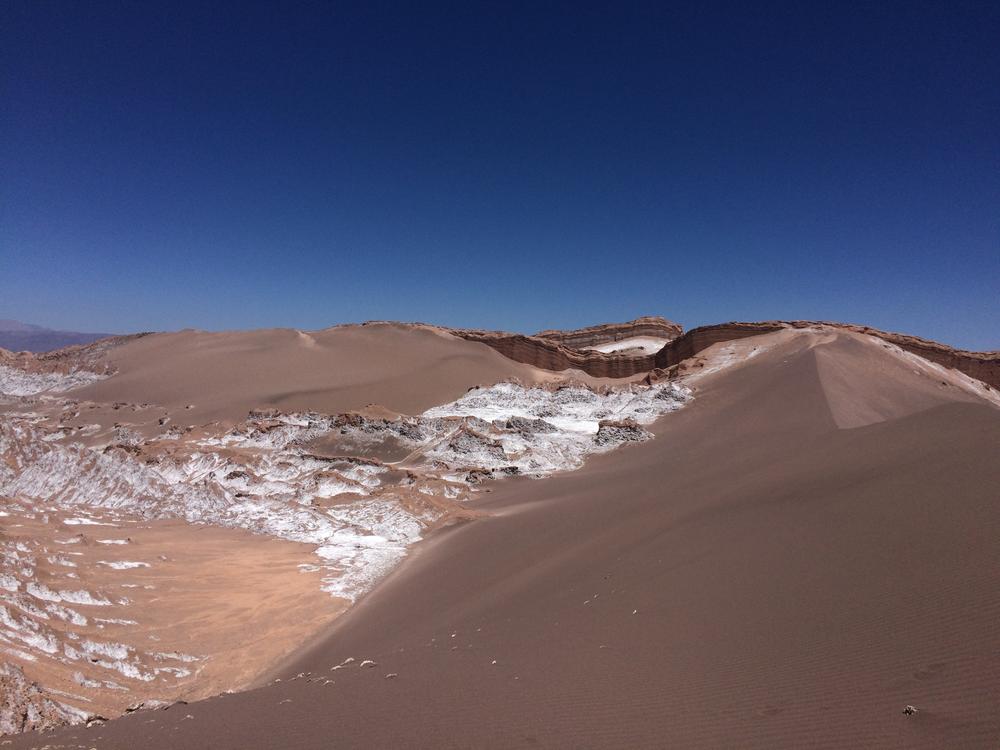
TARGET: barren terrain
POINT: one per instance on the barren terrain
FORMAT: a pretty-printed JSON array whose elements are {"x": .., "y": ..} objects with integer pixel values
[{"x": 778, "y": 540}]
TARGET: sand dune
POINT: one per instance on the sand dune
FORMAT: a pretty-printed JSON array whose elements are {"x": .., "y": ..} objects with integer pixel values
[
  {"x": 108, "y": 435},
  {"x": 224, "y": 375},
  {"x": 803, "y": 550}
]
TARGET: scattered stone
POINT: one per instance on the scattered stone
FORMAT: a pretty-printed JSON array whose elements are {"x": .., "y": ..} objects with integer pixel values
[{"x": 909, "y": 710}]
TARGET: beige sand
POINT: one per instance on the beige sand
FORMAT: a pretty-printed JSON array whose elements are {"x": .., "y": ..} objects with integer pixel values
[
  {"x": 757, "y": 576},
  {"x": 221, "y": 376},
  {"x": 219, "y": 604}
]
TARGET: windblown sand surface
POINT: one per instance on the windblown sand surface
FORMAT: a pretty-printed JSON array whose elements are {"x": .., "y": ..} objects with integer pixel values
[
  {"x": 221, "y": 376},
  {"x": 97, "y": 439},
  {"x": 160, "y": 610},
  {"x": 803, "y": 550}
]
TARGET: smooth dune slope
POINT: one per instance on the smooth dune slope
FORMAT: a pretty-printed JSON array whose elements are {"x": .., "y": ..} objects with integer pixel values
[
  {"x": 758, "y": 576},
  {"x": 223, "y": 375}
]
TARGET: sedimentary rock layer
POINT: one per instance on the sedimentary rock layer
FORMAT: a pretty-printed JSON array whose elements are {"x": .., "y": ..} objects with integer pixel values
[
  {"x": 551, "y": 355},
  {"x": 546, "y": 352},
  {"x": 581, "y": 338},
  {"x": 984, "y": 366},
  {"x": 563, "y": 350}
]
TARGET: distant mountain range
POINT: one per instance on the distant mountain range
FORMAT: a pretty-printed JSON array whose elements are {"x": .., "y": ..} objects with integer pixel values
[{"x": 17, "y": 336}]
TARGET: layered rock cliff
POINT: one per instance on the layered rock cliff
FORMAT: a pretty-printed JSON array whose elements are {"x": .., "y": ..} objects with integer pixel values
[
  {"x": 563, "y": 350},
  {"x": 652, "y": 326},
  {"x": 983, "y": 366},
  {"x": 547, "y": 352},
  {"x": 550, "y": 355}
]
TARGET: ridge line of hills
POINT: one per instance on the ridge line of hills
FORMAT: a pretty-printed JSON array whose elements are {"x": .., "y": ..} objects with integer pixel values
[{"x": 558, "y": 350}]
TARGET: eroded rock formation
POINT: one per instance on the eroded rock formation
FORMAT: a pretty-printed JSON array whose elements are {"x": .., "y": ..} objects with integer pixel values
[
  {"x": 984, "y": 366},
  {"x": 24, "y": 707},
  {"x": 652, "y": 326},
  {"x": 78, "y": 358},
  {"x": 548, "y": 354},
  {"x": 546, "y": 351}
]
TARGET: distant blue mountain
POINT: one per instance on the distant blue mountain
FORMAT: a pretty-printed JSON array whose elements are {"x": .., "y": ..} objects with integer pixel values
[{"x": 18, "y": 337}]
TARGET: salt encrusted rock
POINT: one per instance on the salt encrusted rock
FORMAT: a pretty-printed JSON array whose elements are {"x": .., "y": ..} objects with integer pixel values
[
  {"x": 24, "y": 707},
  {"x": 479, "y": 475},
  {"x": 612, "y": 432},
  {"x": 525, "y": 425},
  {"x": 403, "y": 427},
  {"x": 467, "y": 441}
]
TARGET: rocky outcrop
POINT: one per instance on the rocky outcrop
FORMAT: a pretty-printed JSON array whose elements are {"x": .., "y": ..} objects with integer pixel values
[
  {"x": 652, "y": 326},
  {"x": 547, "y": 353},
  {"x": 78, "y": 358},
  {"x": 699, "y": 339},
  {"x": 613, "y": 432},
  {"x": 983, "y": 366},
  {"x": 24, "y": 707}
]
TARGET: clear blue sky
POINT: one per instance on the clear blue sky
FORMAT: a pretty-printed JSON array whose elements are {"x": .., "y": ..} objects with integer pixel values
[{"x": 516, "y": 166}]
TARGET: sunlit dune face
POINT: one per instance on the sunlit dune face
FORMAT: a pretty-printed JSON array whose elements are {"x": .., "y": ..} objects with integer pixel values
[{"x": 107, "y": 611}]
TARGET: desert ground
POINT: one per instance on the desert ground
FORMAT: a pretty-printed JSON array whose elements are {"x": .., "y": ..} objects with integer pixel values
[{"x": 393, "y": 535}]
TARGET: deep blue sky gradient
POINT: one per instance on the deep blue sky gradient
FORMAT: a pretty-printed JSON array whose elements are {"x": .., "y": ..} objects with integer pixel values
[{"x": 516, "y": 166}]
